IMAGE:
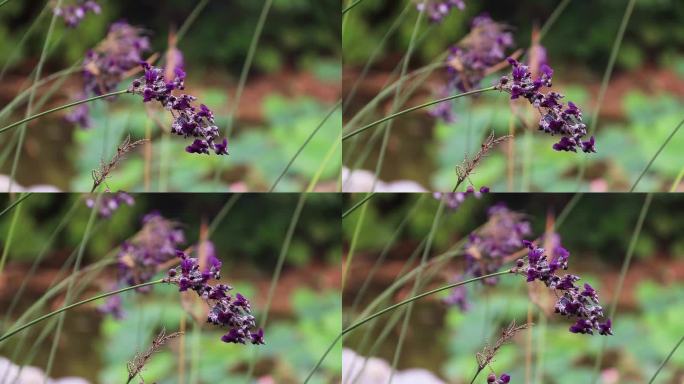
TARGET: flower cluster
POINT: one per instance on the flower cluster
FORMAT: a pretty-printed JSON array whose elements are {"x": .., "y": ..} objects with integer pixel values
[
  {"x": 453, "y": 200},
  {"x": 225, "y": 310},
  {"x": 121, "y": 51},
  {"x": 141, "y": 257},
  {"x": 556, "y": 118},
  {"x": 486, "y": 249},
  {"x": 156, "y": 243},
  {"x": 438, "y": 9},
  {"x": 484, "y": 47},
  {"x": 107, "y": 64},
  {"x": 110, "y": 203},
  {"x": 189, "y": 121},
  {"x": 75, "y": 13},
  {"x": 501, "y": 236},
  {"x": 503, "y": 379},
  {"x": 469, "y": 60},
  {"x": 575, "y": 302}
]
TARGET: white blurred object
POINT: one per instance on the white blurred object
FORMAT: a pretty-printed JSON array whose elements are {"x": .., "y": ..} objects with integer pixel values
[
  {"x": 31, "y": 375},
  {"x": 361, "y": 180},
  {"x": 377, "y": 370},
  {"x": 5, "y": 183}
]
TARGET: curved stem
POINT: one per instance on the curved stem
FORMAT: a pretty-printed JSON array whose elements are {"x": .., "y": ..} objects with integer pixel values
[
  {"x": 351, "y": 6},
  {"x": 393, "y": 307},
  {"x": 666, "y": 360},
  {"x": 360, "y": 203},
  {"x": 392, "y": 116},
  {"x": 58, "y": 311},
  {"x": 420, "y": 296},
  {"x": 653, "y": 159},
  {"x": 301, "y": 148},
  {"x": 65, "y": 106}
]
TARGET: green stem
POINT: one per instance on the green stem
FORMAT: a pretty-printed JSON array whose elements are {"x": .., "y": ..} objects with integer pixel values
[
  {"x": 392, "y": 116},
  {"x": 360, "y": 203},
  {"x": 276, "y": 276},
  {"x": 191, "y": 19},
  {"x": 662, "y": 365},
  {"x": 56, "y": 109},
  {"x": 301, "y": 148},
  {"x": 677, "y": 180},
  {"x": 606, "y": 79},
  {"x": 14, "y": 204},
  {"x": 621, "y": 279},
  {"x": 648, "y": 166},
  {"x": 351, "y": 6},
  {"x": 417, "y": 297},
  {"x": 68, "y": 307}
]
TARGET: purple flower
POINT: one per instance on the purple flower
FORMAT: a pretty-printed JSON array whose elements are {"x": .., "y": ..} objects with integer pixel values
[
  {"x": 503, "y": 379},
  {"x": 110, "y": 202},
  {"x": 485, "y": 250},
  {"x": 112, "y": 306},
  {"x": 80, "y": 115},
  {"x": 438, "y": 9},
  {"x": 453, "y": 200},
  {"x": 581, "y": 304},
  {"x": 155, "y": 244},
  {"x": 189, "y": 121},
  {"x": 556, "y": 118},
  {"x": 224, "y": 311},
  {"x": 121, "y": 51},
  {"x": 75, "y": 13},
  {"x": 106, "y": 65},
  {"x": 469, "y": 60}
]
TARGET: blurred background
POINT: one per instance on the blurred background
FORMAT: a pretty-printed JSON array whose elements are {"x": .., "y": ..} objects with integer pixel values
[
  {"x": 641, "y": 107},
  {"x": 443, "y": 340},
  {"x": 305, "y": 310},
  {"x": 293, "y": 82}
]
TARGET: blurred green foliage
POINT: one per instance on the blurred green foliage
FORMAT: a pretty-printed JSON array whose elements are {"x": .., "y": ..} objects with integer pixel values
[{"x": 295, "y": 31}]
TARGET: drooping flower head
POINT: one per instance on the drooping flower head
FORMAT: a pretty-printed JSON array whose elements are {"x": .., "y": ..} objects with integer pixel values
[
  {"x": 73, "y": 14},
  {"x": 581, "y": 304},
  {"x": 231, "y": 312},
  {"x": 110, "y": 202},
  {"x": 189, "y": 121},
  {"x": 436, "y": 10},
  {"x": 556, "y": 118}
]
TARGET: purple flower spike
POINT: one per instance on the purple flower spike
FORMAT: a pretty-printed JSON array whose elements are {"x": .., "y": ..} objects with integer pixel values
[
  {"x": 225, "y": 311},
  {"x": 189, "y": 121},
  {"x": 581, "y": 304},
  {"x": 555, "y": 119}
]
